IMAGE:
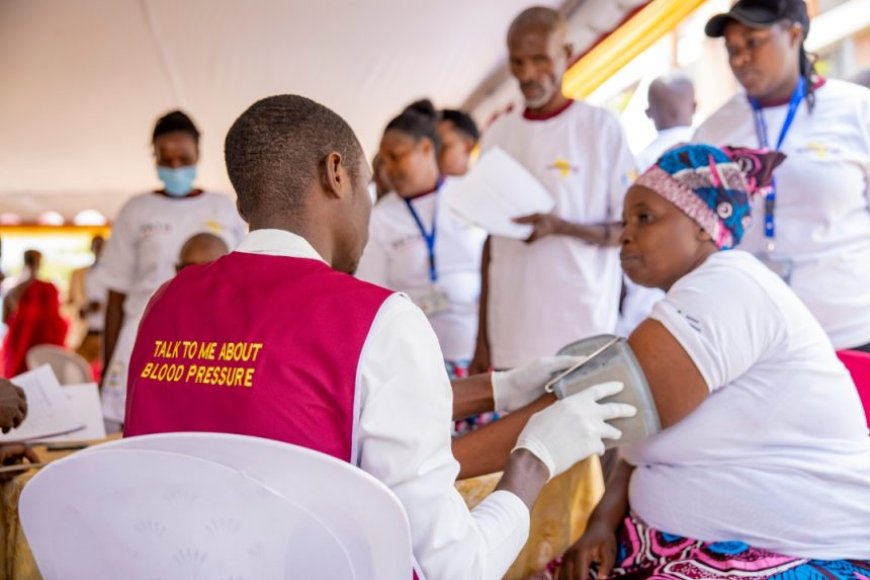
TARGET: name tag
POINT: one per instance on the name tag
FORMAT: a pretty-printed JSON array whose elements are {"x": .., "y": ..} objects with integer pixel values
[
  {"x": 780, "y": 265},
  {"x": 434, "y": 302}
]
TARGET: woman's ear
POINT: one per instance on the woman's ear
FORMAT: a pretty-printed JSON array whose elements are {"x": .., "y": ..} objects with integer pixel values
[{"x": 796, "y": 33}]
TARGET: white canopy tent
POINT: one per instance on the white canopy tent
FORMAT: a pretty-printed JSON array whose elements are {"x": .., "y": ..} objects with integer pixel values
[{"x": 82, "y": 81}]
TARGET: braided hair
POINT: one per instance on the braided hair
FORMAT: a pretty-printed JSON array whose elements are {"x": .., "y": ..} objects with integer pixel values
[{"x": 796, "y": 12}]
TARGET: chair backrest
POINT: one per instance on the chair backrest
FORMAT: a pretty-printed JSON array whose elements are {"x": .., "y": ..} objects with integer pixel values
[
  {"x": 69, "y": 367},
  {"x": 858, "y": 364},
  {"x": 207, "y": 505}
]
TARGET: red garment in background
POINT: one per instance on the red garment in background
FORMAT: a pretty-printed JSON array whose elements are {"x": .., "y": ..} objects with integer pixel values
[{"x": 36, "y": 320}]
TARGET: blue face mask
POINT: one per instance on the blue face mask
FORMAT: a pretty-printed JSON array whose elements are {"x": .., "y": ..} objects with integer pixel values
[{"x": 177, "y": 182}]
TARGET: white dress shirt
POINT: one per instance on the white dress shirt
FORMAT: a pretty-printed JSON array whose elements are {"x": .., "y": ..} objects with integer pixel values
[{"x": 404, "y": 405}]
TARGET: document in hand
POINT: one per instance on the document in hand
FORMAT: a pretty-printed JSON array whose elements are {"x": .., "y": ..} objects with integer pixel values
[
  {"x": 497, "y": 190},
  {"x": 49, "y": 410}
]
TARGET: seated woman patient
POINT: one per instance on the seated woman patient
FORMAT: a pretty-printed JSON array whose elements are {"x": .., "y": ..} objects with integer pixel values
[{"x": 762, "y": 469}]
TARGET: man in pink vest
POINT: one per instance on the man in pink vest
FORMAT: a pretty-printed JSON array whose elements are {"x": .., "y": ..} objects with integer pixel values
[{"x": 276, "y": 340}]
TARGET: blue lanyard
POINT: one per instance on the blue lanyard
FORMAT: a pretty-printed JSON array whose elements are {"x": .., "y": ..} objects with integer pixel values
[
  {"x": 428, "y": 237},
  {"x": 761, "y": 131}
]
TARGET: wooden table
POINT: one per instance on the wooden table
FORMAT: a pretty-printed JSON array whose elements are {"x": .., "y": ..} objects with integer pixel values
[{"x": 558, "y": 518}]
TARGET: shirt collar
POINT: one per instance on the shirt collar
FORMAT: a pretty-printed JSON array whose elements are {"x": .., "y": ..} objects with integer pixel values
[
  {"x": 278, "y": 243},
  {"x": 675, "y": 130},
  {"x": 530, "y": 116}
]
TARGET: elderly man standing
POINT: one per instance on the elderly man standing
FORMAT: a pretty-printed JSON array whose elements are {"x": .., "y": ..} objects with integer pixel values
[
  {"x": 276, "y": 340},
  {"x": 563, "y": 282}
]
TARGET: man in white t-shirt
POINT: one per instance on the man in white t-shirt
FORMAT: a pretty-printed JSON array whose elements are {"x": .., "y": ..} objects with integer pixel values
[
  {"x": 146, "y": 238},
  {"x": 671, "y": 106},
  {"x": 562, "y": 283}
]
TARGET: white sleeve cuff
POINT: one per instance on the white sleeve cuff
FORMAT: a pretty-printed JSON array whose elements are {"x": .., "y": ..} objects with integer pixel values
[{"x": 503, "y": 521}]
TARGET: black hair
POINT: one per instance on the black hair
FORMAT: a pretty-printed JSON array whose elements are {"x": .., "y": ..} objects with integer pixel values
[
  {"x": 463, "y": 123},
  {"x": 172, "y": 122},
  {"x": 278, "y": 147},
  {"x": 417, "y": 126},
  {"x": 31, "y": 257},
  {"x": 423, "y": 107},
  {"x": 795, "y": 11},
  {"x": 807, "y": 64}
]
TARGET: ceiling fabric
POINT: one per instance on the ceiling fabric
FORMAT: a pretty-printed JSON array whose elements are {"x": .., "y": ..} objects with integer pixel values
[{"x": 82, "y": 81}]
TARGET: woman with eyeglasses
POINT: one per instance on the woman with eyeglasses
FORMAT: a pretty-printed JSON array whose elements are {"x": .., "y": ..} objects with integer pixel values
[{"x": 813, "y": 228}]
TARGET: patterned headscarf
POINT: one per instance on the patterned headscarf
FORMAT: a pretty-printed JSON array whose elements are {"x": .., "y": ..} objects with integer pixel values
[{"x": 713, "y": 186}]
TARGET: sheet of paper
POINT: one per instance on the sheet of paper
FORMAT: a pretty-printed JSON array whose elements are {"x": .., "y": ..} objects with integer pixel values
[
  {"x": 85, "y": 401},
  {"x": 49, "y": 410},
  {"x": 496, "y": 190}
]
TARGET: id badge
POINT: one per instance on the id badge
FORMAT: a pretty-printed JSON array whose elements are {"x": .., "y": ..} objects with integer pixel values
[
  {"x": 780, "y": 265},
  {"x": 435, "y": 301}
]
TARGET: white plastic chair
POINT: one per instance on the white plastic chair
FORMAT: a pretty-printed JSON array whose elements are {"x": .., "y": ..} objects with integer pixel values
[
  {"x": 69, "y": 367},
  {"x": 207, "y": 505}
]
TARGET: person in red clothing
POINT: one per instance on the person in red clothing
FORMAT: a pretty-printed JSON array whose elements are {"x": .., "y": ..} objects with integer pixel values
[{"x": 31, "y": 311}]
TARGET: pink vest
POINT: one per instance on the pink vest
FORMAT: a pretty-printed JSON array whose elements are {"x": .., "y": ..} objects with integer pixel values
[{"x": 256, "y": 345}]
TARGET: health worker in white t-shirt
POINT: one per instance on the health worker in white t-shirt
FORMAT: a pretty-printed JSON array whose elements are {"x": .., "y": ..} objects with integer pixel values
[
  {"x": 814, "y": 227},
  {"x": 146, "y": 238},
  {"x": 418, "y": 246},
  {"x": 763, "y": 463},
  {"x": 563, "y": 282}
]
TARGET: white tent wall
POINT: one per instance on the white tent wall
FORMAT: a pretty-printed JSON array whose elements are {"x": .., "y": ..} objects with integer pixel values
[{"x": 82, "y": 81}]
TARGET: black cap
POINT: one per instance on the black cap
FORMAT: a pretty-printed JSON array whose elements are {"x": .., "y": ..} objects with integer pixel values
[{"x": 760, "y": 14}]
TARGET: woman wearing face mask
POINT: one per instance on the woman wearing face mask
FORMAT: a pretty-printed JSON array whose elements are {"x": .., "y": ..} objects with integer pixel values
[
  {"x": 813, "y": 228},
  {"x": 762, "y": 469},
  {"x": 417, "y": 246},
  {"x": 146, "y": 238}
]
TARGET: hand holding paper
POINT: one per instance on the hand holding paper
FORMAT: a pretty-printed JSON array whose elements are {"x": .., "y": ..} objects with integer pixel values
[
  {"x": 544, "y": 224},
  {"x": 49, "y": 411},
  {"x": 497, "y": 190},
  {"x": 13, "y": 405}
]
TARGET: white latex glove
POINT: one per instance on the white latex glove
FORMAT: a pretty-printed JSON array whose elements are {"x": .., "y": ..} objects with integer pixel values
[
  {"x": 572, "y": 429},
  {"x": 516, "y": 388}
]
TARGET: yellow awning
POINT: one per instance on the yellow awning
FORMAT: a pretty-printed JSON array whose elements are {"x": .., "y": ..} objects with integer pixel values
[{"x": 641, "y": 31}]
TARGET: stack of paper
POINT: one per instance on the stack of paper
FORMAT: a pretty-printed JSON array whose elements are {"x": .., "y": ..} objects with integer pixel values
[
  {"x": 497, "y": 190},
  {"x": 85, "y": 401},
  {"x": 50, "y": 411}
]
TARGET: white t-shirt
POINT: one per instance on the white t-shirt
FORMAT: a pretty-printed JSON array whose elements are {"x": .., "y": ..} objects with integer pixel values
[
  {"x": 666, "y": 139},
  {"x": 141, "y": 255},
  {"x": 778, "y": 455},
  {"x": 397, "y": 257},
  {"x": 823, "y": 200},
  {"x": 558, "y": 289},
  {"x": 405, "y": 403},
  {"x": 95, "y": 291}
]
